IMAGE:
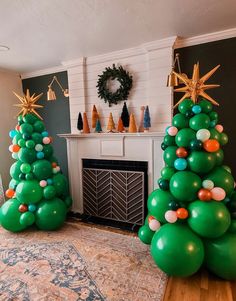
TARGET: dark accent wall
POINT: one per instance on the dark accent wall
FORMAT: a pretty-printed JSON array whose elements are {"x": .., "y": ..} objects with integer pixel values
[
  {"x": 55, "y": 114},
  {"x": 209, "y": 55}
]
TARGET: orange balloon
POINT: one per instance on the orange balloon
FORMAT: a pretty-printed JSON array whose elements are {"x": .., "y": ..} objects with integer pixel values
[
  {"x": 17, "y": 127},
  {"x": 54, "y": 164},
  {"x": 15, "y": 148},
  {"x": 211, "y": 145},
  {"x": 182, "y": 213},
  {"x": 9, "y": 193},
  {"x": 150, "y": 218},
  {"x": 181, "y": 152},
  {"x": 204, "y": 195},
  {"x": 23, "y": 208}
]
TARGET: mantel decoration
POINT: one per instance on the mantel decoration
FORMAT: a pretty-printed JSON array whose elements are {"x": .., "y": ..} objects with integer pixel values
[{"x": 115, "y": 73}]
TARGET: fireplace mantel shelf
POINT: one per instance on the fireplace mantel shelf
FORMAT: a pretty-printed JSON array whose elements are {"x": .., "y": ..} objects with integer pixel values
[{"x": 112, "y": 135}]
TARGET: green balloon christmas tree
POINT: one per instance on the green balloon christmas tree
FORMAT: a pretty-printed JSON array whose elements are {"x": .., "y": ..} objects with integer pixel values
[
  {"x": 191, "y": 218},
  {"x": 38, "y": 192}
]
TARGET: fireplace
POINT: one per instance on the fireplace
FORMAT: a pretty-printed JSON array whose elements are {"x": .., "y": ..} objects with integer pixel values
[{"x": 115, "y": 189}]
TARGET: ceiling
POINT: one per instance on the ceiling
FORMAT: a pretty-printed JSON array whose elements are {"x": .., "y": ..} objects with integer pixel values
[{"x": 43, "y": 33}]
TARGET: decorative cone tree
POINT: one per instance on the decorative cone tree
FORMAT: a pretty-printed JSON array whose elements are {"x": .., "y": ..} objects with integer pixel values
[
  {"x": 94, "y": 116},
  {"x": 132, "y": 124},
  {"x": 111, "y": 124},
  {"x": 80, "y": 122},
  {"x": 86, "y": 129},
  {"x": 192, "y": 217},
  {"x": 125, "y": 115},
  {"x": 141, "y": 127},
  {"x": 120, "y": 126},
  {"x": 98, "y": 128},
  {"x": 147, "y": 119},
  {"x": 38, "y": 192}
]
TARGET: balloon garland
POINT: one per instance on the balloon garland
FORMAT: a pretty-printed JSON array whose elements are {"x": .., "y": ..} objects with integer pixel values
[{"x": 122, "y": 76}]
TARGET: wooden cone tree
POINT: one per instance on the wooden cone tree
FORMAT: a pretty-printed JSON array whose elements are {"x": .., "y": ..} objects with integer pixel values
[
  {"x": 86, "y": 129},
  {"x": 94, "y": 116},
  {"x": 111, "y": 124},
  {"x": 120, "y": 126},
  {"x": 132, "y": 124},
  {"x": 141, "y": 128},
  {"x": 98, "y": 128}
]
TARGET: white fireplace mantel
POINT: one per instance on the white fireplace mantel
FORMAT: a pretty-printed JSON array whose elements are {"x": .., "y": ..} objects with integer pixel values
[{"x": 112, "y": 146}]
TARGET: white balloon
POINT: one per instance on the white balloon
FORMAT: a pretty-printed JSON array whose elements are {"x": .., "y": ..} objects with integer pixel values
[
  {"x": 171, "y": 216},
  {"x": 203, "y": 135},
  {"x": 154, "y": 225},
  {"x": 208, "y": 184}
]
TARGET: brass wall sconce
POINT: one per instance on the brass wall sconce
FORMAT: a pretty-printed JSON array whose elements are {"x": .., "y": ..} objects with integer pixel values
[
  {"x": 172, "y": 79},
  {"x": 51, "y": 94}
]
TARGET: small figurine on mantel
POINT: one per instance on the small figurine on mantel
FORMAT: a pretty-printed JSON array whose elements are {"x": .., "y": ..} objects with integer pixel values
[
  {"x": 86, "y": 129},
  {"x": 120, "y": 126},
  {"x": 98, "y": 128},
  {"x": 80, "y": 123},
  {"x": 146, "y": 120},
  {"x": 132, "y": 124},
  {"x": 141, "y": 128},
  {"x": 94, "y": 116},
  {"x": 125, "y": 115},
  {"x": 111, "y": 124}
]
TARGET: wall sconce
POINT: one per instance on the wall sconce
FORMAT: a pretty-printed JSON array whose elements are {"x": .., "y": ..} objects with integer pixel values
[
  {"x": 51, "y": 94},
  {"x": 172, "y": 79}
]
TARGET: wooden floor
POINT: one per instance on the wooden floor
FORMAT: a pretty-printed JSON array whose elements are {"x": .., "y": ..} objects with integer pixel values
[{"x": 201, "y": 287}]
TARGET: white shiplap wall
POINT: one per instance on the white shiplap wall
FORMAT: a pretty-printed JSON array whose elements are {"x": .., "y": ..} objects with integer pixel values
[{"x": 149, "y": 65}]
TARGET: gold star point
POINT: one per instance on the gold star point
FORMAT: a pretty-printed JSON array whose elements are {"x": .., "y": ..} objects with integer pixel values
[
  {"x": 27, "y": 104},
  {"x": 196, "y": 86}
]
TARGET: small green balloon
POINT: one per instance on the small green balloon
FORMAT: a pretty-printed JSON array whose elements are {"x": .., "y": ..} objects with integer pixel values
[
  {"x": 208, "y": 219},
  {"x": 223, "y": 139},
  {"x": 170, "y": 156},
  {"x": 205, "y": 105},
  {"x": 184, "y": 137},
  {"x": 10, "y": 216},
  {"x": 61, "y": 185},
  {"x": 167, "y": 172},
  {"x": 29, "y": 176},
  {"x": 27, "y": 155},
  {"x": 37, "y": 138},
  {"x": 21, "y": 143},
  {"x": 16, "y": 138},
  {"x": 42, "y": 169},
  {"x": 25, "y": 168},
  {"x": 15, "y": 170},
  {"x": 26, "y": 128},
  {"x": 29, "y": 192},
  {"x": 214, "y": 134},
  {"x": 180, "y": 121},
  {"x": 227, "y": 168},
  {"x": 184, "y": 186},
  {"x": 158, "y": 204},
  {"x": 232, "y": 227},
  {"x": 220, "y": 256},
  {"x": 68, "y": 201},
  {"x": 213, "y": 115},
  {"x": 48, "y": 151},
  {"x": 49, "y": 192},
  {"x": 219, "y": 156},
  {"x": 27, "y": 219},
  {"x": 145, "y": 234},
  {"x": 201, "y": 162},
  {"x": 169, "y": 140},
  {"x": 30, "y": 143},
  {"x": 13, "y": 184},
  {"x": 50, "y": 215},
  {"x": 199, "y": 121},
  {"x": 39, "y": 126},
  {"x": 196, "y": 145},
  {"x": 177, "y": 250},
  {"x": 30, "y": 118},
  {"x": 222, "y": 178},
  {"x": 185, "y": 105}
]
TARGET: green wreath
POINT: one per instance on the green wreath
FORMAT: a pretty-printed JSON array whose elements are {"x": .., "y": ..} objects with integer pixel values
[{"x": 122, "y": 93}]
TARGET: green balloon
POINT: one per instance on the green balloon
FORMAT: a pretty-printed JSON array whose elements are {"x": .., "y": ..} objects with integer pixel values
[
  {"x": 30, "y": 118},
  {"x": 227, "y": 168},
  {"x": 50, "y": 215},
  {"x": 37, "y": 138},
  {"x": 201, "y": 162},
  {"x": 220, "y": 256},
  {"x": 27, "y": 155},
  {"x": 205, "y": 105},
  {"x": 30, "y": 143},
  {"x": 29, "y": 176},
  {"x": 222, "y": 178},
  {"x": 25, "y": 168},
  {"x": 42, "y": 169},
  {"x": 199, "y": 121},
  {"x": 15, "y": 170},
  {"x": 185, "y": 105},
  {"x": 170, "y": 156},
  {"x": 184, "y": 186},
  {"x": 214, "y": 134},
  {"x": 213, "y": 115},
  {"x": 10, "y": 216},
  {"x": 61, "y": 185},
  {"x": 232, "y": 227},
  {"x": 180, "y": 121},
  {"x": 49, "y": 192},
  {"x": 158, "y": 204},
  {"x": 184, "y": 137},
  {"x": 21, "y": 143},
  {"x": 29, "y": 192},
  {"x": 16, "y": 138},
  {"x": 13, "y": 183},
  {"x": 223, "y": 139},
  {"x": 167, "y": 172},
  {"x": 27, "y": 219},
  {"x": 48, "y": 151},
  {"x": 145, "y": 234},
  {"x": 68, "y": 201},
  {"x": 39, "y": 126},
  {"x": 177, "y": 250},
  {"x": 20, "y": 119},
  {"x": 169, "y": 140},
  {"x": 219, "y": 156},
  {"x": 208, "y": 219},
  {"x": 26, "y": 128}
]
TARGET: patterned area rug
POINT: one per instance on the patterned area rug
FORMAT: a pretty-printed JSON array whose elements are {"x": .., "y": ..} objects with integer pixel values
[{"x": 78, "y": 262}]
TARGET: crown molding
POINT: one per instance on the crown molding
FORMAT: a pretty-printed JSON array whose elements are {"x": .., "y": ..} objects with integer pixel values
[
  {"x": 205, "y": 38},
  {"x": 41, "y": 72},
  {"x": 74, "y": 63},
  {"x": 159, "y": 44}
]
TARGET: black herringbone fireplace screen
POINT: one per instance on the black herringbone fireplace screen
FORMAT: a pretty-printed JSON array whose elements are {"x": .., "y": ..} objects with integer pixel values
[{"x": 115, "y": 190}]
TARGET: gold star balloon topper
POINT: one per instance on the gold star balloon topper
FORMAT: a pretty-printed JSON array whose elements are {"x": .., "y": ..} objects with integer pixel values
[
  {"x": 196, "y": 86},
  {"x": 28, "y": 105}
]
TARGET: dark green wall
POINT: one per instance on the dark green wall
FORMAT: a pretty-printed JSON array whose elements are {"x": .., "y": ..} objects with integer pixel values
[
  {"x": 209, "y": 55},
  {"x": 56, "y": 115}
]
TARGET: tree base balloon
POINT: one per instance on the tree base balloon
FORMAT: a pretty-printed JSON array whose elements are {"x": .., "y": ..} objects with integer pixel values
[
  {"x": 191, "y": 218},
  {"x": 38, "y": 192}
]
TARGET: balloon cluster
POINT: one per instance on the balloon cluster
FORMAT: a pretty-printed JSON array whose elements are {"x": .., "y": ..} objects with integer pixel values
[
  {"x": 38, "y": 191},
  {"x": 192, "y": 216}
]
